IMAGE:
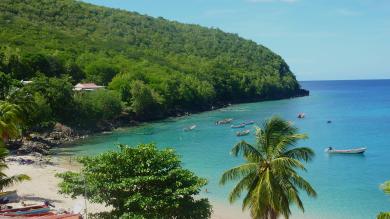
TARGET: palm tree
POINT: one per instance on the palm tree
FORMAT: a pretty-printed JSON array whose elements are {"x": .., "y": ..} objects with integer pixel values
[
  {"x": 9, "y": 121},
  {"x": 5, "y": 180},
  {"x": 269, "y": 174}
]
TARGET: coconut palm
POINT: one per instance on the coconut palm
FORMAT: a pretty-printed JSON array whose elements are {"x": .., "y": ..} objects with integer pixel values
[
  {"x": 9, "y": 121},
  {"x": 269, "y": 175},
  {"x": 5, "y": 180}
]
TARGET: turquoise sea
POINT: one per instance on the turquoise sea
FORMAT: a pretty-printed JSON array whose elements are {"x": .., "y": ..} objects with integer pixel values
[{"x": 347, "y": 186}]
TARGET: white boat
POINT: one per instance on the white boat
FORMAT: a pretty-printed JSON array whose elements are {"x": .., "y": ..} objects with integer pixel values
[
  {"x": 242, "y": 125},
  {"x": 224, "y": 121},
  {"x": 250, "y": 122},
  {"x": 331, "y": 150},
  {"x": 243, "y": 133},
  {"x": 190, "y": 128}
]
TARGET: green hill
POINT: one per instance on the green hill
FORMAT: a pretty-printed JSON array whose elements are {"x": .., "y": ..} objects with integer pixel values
[{"x": 178, "y": 67}]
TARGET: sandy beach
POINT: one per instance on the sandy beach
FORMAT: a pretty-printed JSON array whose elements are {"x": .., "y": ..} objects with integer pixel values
[{"x": 43, "y": 186}]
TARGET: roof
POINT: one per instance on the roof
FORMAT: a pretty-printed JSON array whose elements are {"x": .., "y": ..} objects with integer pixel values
[
  {"x": 87, "y": 86},
  {"x": 25, "y": 82}
]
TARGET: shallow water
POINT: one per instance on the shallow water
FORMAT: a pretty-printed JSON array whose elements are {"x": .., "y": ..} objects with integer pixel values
[{"x": 347, "y": 186}]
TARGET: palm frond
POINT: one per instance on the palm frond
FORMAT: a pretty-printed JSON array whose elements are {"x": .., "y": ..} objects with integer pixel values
[
  {"x": 383, "y": 215},
  {"x": 302, "y": 153},
  {"x": 238, "y": 172},
  {"x": 241, "y": 186},
  {"x": 247, "y": 150},
  {"x": 301, "y": 183},
  {"x": 386, "y": 187},
  {"x": 288, "y": 141},
  {"x": 9, "y": 181},
  {"x": 281, "y": 163}
]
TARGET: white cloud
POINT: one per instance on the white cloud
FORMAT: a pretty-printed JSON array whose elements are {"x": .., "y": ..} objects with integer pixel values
[{"x": 268, "y": 1}]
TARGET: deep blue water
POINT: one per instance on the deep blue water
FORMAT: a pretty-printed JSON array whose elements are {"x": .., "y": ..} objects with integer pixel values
[{"x": 347, "y": 186}]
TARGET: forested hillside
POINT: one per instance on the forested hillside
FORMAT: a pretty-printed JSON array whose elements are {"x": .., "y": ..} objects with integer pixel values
[{"x": 153, "y": 66}]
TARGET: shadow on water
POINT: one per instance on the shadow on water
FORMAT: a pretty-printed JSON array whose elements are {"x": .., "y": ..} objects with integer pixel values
[{"x": 346, "y": 156}]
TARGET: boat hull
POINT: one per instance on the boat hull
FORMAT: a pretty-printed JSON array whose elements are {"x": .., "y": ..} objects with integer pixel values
[
  {"x": 243, "y": 133},
  {"x": 29, "y": 213},
  {"x": 350, "y": 151}
]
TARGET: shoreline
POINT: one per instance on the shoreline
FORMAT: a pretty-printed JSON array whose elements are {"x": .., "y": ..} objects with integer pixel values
[
  {"x": 61, "y": 135},
  {"x": 44, "y": 186}
]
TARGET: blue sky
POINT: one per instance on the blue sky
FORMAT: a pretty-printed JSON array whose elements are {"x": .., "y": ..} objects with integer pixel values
[{"x": 319, "y": 39}]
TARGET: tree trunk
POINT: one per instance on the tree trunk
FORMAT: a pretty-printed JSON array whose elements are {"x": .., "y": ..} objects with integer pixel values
[
  {"x": 273, "y": 214},
  {"x": 5, "y": 137}
]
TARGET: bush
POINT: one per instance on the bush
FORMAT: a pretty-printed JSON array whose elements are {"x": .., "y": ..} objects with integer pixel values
[
  {"x": 94, "y": 107},
  {"x": 139, "y": 182}
]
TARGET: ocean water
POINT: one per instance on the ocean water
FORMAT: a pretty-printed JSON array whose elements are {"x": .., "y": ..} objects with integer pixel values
[{"x": 347, "y": 186}]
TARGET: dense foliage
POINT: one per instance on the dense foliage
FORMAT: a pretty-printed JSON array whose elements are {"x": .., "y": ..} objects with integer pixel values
[
  {"x": 269, "y": 176},
  {"x": 139, "y": 181},
  {"x": 10, "y": 121},
  {"x": 158, "y": 67}
]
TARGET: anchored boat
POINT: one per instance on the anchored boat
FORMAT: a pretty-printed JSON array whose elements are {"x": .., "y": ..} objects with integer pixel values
[
  {"x": 190, "y": 128},
  {"x": 242, "y": 125},
  {"x": 331, "y": 150},
  {"x": 249, "y": 122},
  {"x": 243, "y": 133},
  {"x": 224, "y": 121}
]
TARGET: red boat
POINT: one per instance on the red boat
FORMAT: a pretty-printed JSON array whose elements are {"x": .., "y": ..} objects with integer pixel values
[
  {"x": 51, "y": 216},
  {"x": 62, "y": 216}
]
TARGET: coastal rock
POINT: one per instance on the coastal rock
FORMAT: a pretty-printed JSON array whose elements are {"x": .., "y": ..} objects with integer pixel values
[
  {"x": 29, "y": 147},
  {"x": 42, "y": 143}
]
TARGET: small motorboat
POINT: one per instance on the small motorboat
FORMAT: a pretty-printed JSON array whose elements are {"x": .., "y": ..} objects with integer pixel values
[
  {"x": 331, "y": 150},
  {"x": 243, "y": 133},
  {"x": 242, "y": 125},
  {"x": 250, "y": 122},
  {"x": 9, "y": 196},
  {"x": 224, "y": 121},
  {"x": 301, "y": 116},
  {"x": 190, "y": 128}
]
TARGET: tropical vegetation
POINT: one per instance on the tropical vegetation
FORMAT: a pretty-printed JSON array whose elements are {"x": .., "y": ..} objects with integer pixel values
[
  {"x": 269, "y": 177},
  {"x": 10, "y": 121},
  {"x": 5, "y": 180},
  {"x": 386, "y": 188},
  {"x": 156, "y": 67},
  {"x": 138, "y": 182}
]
